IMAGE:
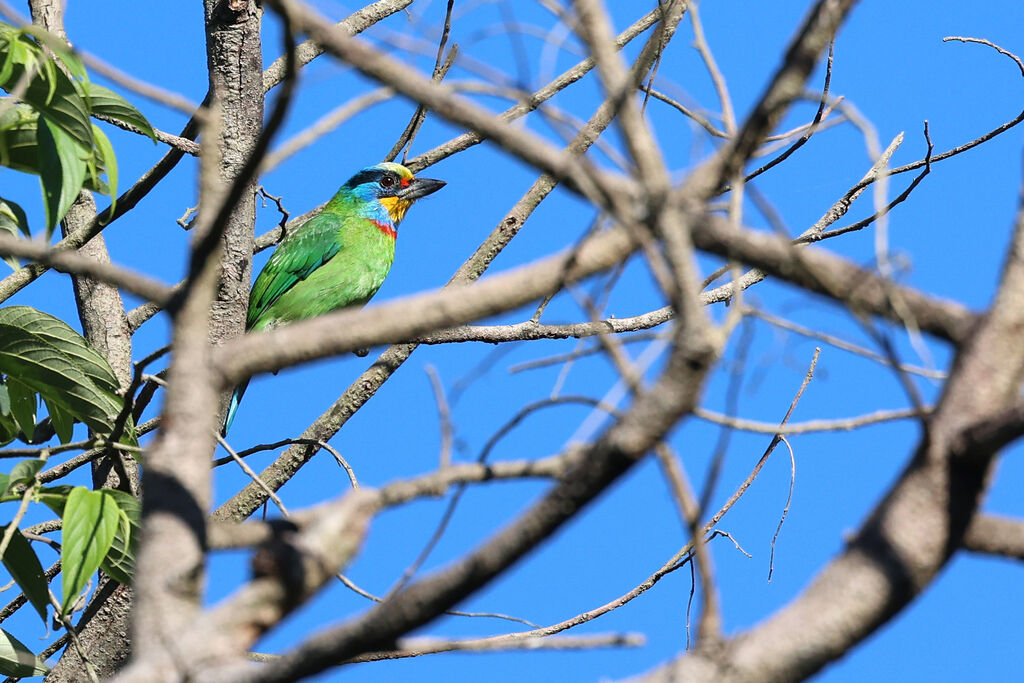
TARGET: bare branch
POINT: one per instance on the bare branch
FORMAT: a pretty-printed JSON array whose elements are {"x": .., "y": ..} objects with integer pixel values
[
  {"x": 993, "y": 535},
  {"x": 355, "y": 23},
  {"x": 415, "y": 647},
  {"x": 811, "y": 426},
  {"x": 73, "y": 262}
]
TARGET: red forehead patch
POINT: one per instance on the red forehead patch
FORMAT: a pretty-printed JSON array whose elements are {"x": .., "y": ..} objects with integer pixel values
[{"x": 406, "y": 181}]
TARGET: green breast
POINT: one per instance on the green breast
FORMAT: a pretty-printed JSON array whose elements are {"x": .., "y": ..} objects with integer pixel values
[{"x": 330, "y": 262}]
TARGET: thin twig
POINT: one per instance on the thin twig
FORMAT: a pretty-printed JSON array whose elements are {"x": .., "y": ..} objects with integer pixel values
[
  {"x": 717, "y": 79},
  {"x": 888, "y": 207},
  {"x": 415, "y": 647},
  {"x": 252, "y": 474},
  {"x": 444, "y": 417},
  {"x": 839, "y": 343},
  {"x": 785, "y": 510},
  {"x": 441, "y": 66},
  {"x": 982, "y": 41},
  {"x": 351, "y": 585},
  {"x": 811, "y": 426},
  {"x": 818, "y": 116}
]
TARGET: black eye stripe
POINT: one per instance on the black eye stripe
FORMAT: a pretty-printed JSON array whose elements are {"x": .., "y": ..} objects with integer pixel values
[
  {"x": 369, "y": 176},
  {"x": 386, "y": 179}
]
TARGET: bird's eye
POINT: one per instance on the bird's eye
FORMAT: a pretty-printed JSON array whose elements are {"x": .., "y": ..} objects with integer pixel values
[{"x": 387, "y": 181}]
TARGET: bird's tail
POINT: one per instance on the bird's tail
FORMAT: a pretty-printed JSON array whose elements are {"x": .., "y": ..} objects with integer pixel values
[{"x": 236, "y": 398}]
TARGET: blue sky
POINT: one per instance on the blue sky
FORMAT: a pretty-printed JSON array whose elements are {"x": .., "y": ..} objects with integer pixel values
[{"x": 890, "y": 63}]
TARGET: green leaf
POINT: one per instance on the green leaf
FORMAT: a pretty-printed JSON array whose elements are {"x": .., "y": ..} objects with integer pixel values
[
  {"x": 14, "y": 116},
  {"x": 61, "y": 170},
  {"x": 8, "y": 429},
  {"x": 59, "y": 100},
  {"x": 9, "y": 60},
  {"x": 23, "y": 405},
  {"x": 19, "y": 146},
  {"x": 13, "y": 220},
  {"x": 15, "y": 215},
  {"x": 8, "y": 425},
  {"x": 55, "y": 332},
  {"x": 105, "y": 152},
  {"x": 46, "y": 78},
  {"x": 130, "y": 437},
  {"x": 53, "y": 497},
  {"x": 9, "y": 225},
  {"x": 53, "y": 360},
  {"x": 16, "y": 52},
  {"x": 108, "y": 103},
  {"x": 59, "y": 47},
  {"x": 91, "y": 519},
  {"x": 120, "y": 561},
  {"x": 23, "y": 473},
  {"x": 63, "y": 422},
  {"x": 23, "y": 564},
  {"x": 17, "y": 660}
]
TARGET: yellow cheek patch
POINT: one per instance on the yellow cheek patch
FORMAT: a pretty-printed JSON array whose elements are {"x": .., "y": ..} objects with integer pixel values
[{"x": 396, "y": 207}]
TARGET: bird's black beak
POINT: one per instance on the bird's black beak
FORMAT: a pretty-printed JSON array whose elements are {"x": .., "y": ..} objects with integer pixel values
[{"x": 420, "y": 187}]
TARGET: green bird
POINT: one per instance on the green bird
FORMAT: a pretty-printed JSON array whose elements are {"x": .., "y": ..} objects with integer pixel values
[{"x": 338, "y": 258}]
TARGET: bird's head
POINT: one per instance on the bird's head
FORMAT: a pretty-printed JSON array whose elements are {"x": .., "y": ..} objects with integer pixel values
[{"x": 391, "y": 185}]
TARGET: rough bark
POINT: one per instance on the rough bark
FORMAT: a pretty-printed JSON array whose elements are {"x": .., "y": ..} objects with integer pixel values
[{"x": 235, "y": 61}]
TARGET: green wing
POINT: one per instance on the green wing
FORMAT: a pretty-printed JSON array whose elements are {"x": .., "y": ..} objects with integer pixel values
[{"x": 310, "y": 246}]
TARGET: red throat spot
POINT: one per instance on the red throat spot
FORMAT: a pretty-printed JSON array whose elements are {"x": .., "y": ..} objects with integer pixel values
[{"x": 384, "y": 228}]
